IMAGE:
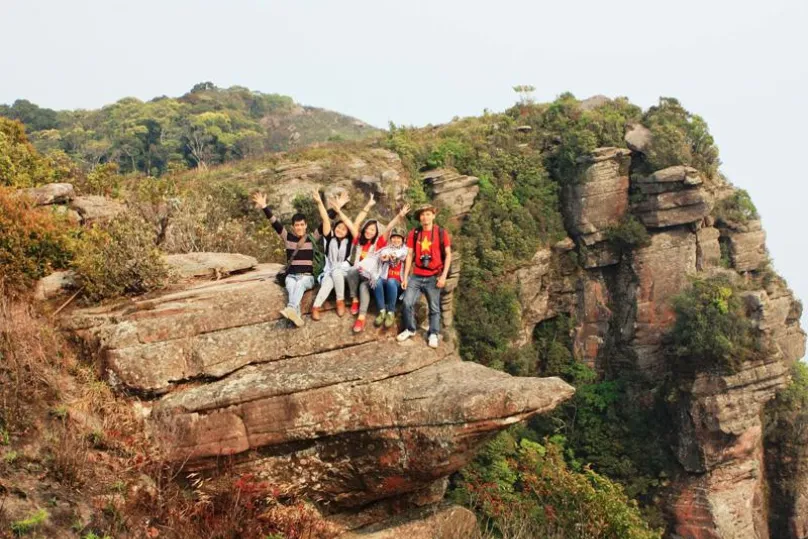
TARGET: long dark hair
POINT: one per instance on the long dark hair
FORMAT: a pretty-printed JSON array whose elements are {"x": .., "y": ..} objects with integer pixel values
[{"x": 362, "y": 239}]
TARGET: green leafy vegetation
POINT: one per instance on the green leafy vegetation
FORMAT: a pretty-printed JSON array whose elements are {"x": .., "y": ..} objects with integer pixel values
[
  {"x": 736, "y": 209},
  {"x": 628, "y": 235},
  {"x": 680, "y": 138},
  {"x": 20, "y": 163},
  {"x": 33, "y": 242},
  {"x": 206, "y": 126},
  {"x": 25, "y": 526},
  {"x": 119, "y": 258},
  {"x": 520, "y": 484},
  {"x": 712, "y": 330}
]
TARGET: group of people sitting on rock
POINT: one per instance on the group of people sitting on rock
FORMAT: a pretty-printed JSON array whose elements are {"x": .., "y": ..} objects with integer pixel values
[{"x": 372, "y": 259}]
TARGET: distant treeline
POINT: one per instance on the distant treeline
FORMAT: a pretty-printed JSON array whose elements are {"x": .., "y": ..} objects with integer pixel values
[{"x": 207, "y": 125}]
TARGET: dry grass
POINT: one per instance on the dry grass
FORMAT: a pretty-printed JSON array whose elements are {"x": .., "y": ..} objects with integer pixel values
[{"x": 73, "y": 440}]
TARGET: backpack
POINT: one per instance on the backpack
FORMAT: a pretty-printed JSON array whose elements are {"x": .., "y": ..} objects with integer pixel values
[
  {"x": 441, "y": 233},
  {"x": 318, "y": 256}
]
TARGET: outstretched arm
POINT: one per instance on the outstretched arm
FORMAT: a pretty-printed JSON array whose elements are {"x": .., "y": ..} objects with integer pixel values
[
  {"x": 345, "y": 219},
  {"x": 364, "y": 213},
  {"x": 260, "y": 201},
  {"x": 395, "y": 220},
  {"x": 326, "y": 226}
]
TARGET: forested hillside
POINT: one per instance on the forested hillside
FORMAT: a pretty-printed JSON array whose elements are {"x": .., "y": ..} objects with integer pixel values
[{"x": 206, "y": 126}]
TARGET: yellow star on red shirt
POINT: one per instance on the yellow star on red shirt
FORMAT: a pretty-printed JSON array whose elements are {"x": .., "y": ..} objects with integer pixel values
[{"x": 426, "y": 244}]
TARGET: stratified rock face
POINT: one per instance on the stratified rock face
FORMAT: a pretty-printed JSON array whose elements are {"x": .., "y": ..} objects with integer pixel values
[
  {"x": 452, "y": 190},
  {"x": 662, "y": 268},
  {"x": 671, "y": 197},
  {"x": 747, "y": 245},
  {"x": 599, "y": 198},
  {"x": 345, "y": 419},
  {"x": 547, "y": 287},
  {"x": 376, "y": 171},
  {"x": 720, "y": 430}
]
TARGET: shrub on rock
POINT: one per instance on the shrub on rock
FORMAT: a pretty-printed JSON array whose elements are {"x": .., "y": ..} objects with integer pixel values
[
  {"x": 119, "y": 258},
  {"x": 712, "y": 329}
]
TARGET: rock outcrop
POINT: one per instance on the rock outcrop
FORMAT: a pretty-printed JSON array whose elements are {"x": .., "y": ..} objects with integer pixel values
[
  {"x": 452, "y": 190},
  {"x": 598, "y": 198},
  {"x": 208, "y": 264},
  {"x": 52, "y": 193},
  {"x": 346, "y": 419},
  {"x": 624, "y": 300},
  {"x": 671, "y": 197}
]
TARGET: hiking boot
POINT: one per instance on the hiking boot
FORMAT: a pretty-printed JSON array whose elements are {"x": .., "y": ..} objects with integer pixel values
[
  {"x": 380, "y": 318},
  {"x": 294, "y": 316},
  {"x": 286, "y": 312},
  {"x": 389, "y": 319},
  {"x": 315, "y": 313},
  {"x": 340, "y": 307},
  {"x": 355, "y": 307},
  {"x": 359, "y": 325},
  {"x": 433, "y": 341},
  {"x": 404, "y": 335}
]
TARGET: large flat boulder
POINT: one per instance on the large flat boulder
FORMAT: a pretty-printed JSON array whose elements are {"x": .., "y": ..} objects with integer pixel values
[
  {"x": 52, "y": 193},
  {"x": 354, "y": 425},
  {"x": 208, "y": 264},
  {"x": 96, "y": 208},
  {"x": 345, "y": 419}
]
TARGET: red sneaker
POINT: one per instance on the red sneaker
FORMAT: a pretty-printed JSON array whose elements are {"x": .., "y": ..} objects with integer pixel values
[
  {"x": 355, "y": 307},
  {"x": 359, "y": 325}
]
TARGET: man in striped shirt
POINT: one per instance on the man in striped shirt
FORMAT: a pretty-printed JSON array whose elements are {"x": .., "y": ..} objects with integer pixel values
[{"x": 299, "y": 250}]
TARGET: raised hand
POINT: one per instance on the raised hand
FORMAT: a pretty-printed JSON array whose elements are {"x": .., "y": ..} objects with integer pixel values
[
  {"x": 404, "y": 210},
  {"x": 315, "y": 194},
  {"x": 342, "y": 199},
  {"x": 260, "y": 200},
  {"x": 371, "y": 202}
]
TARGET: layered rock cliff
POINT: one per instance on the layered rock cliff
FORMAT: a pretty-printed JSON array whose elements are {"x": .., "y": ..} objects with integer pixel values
[
  {"x": 623, "y": 298},
  {"x": 363, "y": 425}
]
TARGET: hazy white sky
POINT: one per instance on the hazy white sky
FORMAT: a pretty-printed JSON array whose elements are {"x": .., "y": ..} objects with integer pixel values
[{"x": 739, "y": 63}]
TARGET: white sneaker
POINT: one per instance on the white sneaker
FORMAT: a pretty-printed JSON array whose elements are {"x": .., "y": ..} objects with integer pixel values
[
  {"x": 404, "y": 335},
  {"x": 433, "y": 341}
]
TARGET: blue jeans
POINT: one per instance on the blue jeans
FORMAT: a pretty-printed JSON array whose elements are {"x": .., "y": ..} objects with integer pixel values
[
  {"x": 429, "y": 286},
  {"x": 387, "y": 291},
  {"x": 296, "y": 286}
]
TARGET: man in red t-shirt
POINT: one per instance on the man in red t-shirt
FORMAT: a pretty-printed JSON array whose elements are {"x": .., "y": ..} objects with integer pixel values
[{"x": 429, "y": 258}]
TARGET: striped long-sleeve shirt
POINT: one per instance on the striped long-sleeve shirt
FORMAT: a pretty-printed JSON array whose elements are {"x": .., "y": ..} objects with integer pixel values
[{"x": 304, "y": 259}]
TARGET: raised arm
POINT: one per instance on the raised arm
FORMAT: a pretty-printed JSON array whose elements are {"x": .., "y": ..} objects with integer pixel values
[
  {"x": 395, "y": 220},
  {"x": 260, "y": 201},
  {"x": 364, "y": 213},
  {"x": 345, "y": 219},
  {"x": 326, "y": 226}
]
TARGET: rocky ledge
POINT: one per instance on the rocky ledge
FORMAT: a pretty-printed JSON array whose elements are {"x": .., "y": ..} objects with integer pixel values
[{"x": 363, "y": 425}]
